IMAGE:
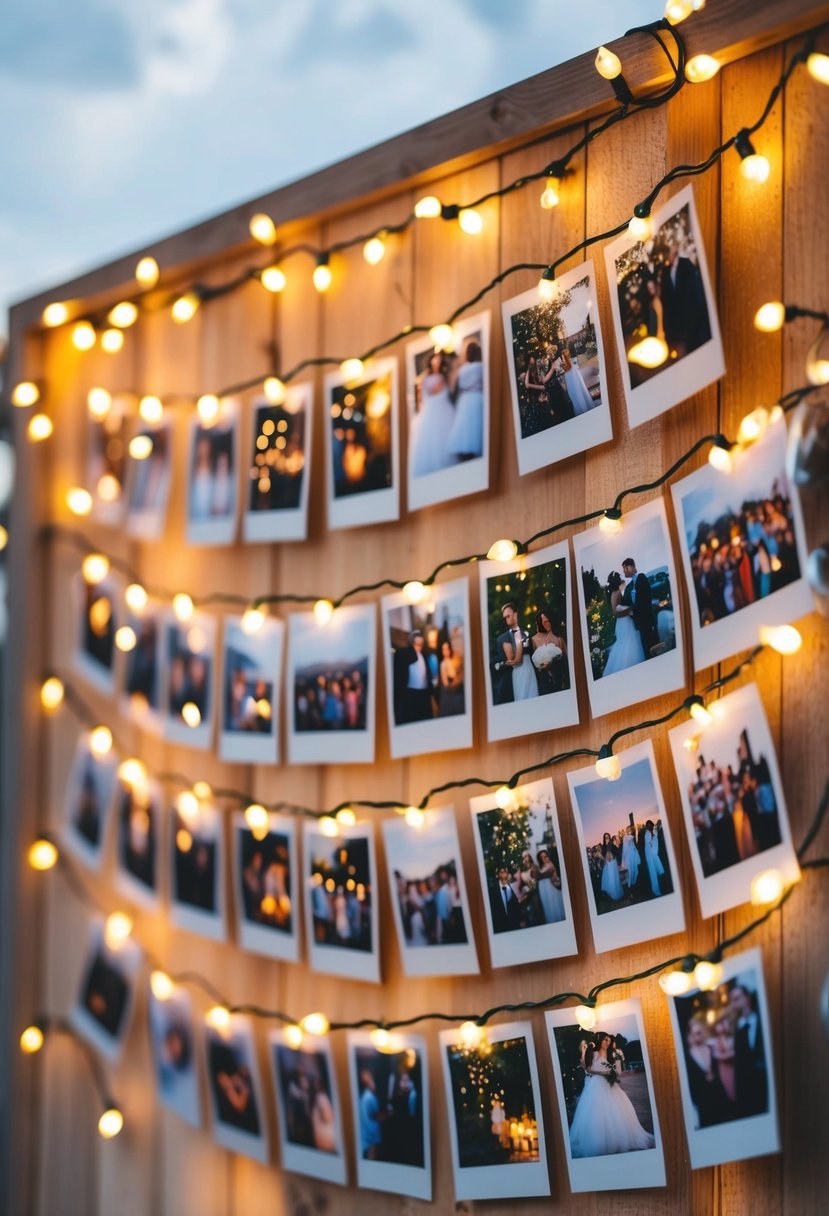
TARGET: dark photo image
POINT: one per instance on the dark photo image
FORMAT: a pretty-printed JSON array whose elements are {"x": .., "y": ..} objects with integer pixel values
[
  {"x": 97, "y": 628},
  {"x": 304, "y": 1079},
  {"x": 174, "y": 1053},
  {"x": 230, "y": 1072},
  {"x": 494, "y": 1103},
  {"x": 142, "y": 679},
  {"x": 212, "y": 487},
  {"x": 106, "y": 461},
  {"x": 390, "y": 1106},
  {"x": 361, "y": 436},
  {"x": 196, "y": 872},
  {"x": 189, "y": 674},
  {"x": 90, "y": 795},
  {"x": 527, "y": 632},
  {"x": 265, "y": 880},
  {"x": 138, "y": 834},
  {"x": 341, "y": 881},
  {"x": 428, "y": 649},
  {"x": 105, "y": 992},
  {"x": 277, "y": 462}
]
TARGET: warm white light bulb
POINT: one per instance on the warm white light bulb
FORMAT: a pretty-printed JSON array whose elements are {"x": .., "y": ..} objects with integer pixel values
[
  {"x": 40, "y": 427},
  {"x": 720, "y": 459},
  {"x": 585, "y": 1015},
  {"x": 202, "y": 790},
  {"x": 78, "y": 500},
  {"x": 252, "y": 620},
  {"x": 54, "y": 314},
  {"x": 135, "y": 597},
  {"x": 640, "y": 227},
  {"x": 322, "y": 277},
  {"x": 547, "y": 289},
  {"x": 767, "y": 887},
  {"x": 99, "y": 402},
  {"x": 187, "y": 805},
  {"x": 700, "y": 714},
  {"x": 352, "y": 370},
  {"x": 345, "y": 817},
  {"x": 753, "y": 425},
  {"x": 649, "y": 352},
  {"x": 140, "y": 447},
  {"x": 707, "y": 975},
  {"x": 125, "y": 638},
  {"x": 677, "y": 10},
  {"x": 151, "y": 410},
  {"x": 608, "y": 65},
  {"x": 273, "y": 279},
  {"x": 100, "y": 741},
  {"x": 817, "y": 66},
  {"x": 504, "y": 798},
  {"x": 550, "y": 195},
  {"x": 94, "y": 568},
  {"x": 293, "y": 1036},
  {"x": 785, "y": 639},
  {"x": 117, "y": 928},
  {"x": 471, "y": 1035},
  {"x": 31, "y": 1040},
  {"x": 415, "y": 592},
  {"x": 610, "y": 524},
  {"x": 25, "y": 393},
  {"x": 161, "y": 985},
  {"x": 83, "y": 336},
  {"x": 51, "y": 693},
  {"x": 381, "y": 1039},
  {"x": 208, "y": 408},
  {"x": 256, "y": 817},
  {"x": 374, "y": 250},
  {"x": 676, "y": 983},
  {"x": 112, "y": 340},
  {"x": 328, "y": 826},
  {"x": 42, "y": 855},
  {"x": 111, "y": 1123},
  {"x": 218, "y": 1016},
  {"x": 147, "y": 272},
  {"x": 502, "y": 550},
  {"x": 133, "y": 772},
  {"x": 415, "y": 817},
  {"x": 770, "y": 317},
  {"x": 428, "y": 207},
  {"x": 191, "y": 714},
  {"x": 609, "y": 767},
  {"x": 262, "y": 229},
  {"x": 123, "y": 315},
  {"x": 183, "y": 606},
  {"x": 443, "y": 337},
  {"x": 755, "y": 168},
  {"x": 700, "y": 68},
  {"x": 274, "y": 390},
  {"x": 323, "y": 611},
  {"x": 316, "y": 1024},
  {"x": 185, "y": 307},
  {"x": 470, "y": 221}
]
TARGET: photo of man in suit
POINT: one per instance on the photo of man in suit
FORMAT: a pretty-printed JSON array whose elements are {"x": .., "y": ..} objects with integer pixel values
[
  {"x": 503, "y": 903},
  {"x": 685, "y": 311},
  {"x": 750, "y": 1079},
  {"x": 637, "y": 596},
  {"x": 413, "y": 689},
  {"x": 503, "y": 691}
]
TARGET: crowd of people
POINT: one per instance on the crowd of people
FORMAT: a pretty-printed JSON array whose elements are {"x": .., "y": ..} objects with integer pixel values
[
  {"x": 725, "y": 1058},
  {"x": 431, "y": 910},
  {"x": 529, "y": 894},
  {"x": 629, "y": 866},
  {"x": 332, "y": 701},
  {"x": 266, "y": 881},
  {"x": 733, "y": 809},
  {"x": 428, "y": 678},
  {"x": 342, "y": 913}
]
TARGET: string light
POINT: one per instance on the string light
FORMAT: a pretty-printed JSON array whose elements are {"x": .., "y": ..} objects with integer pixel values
[
  {"x": 785, "y": 639},
  {"x": 443, "y": 336},
  {"x": 700, "y": 68},
  {"x": 753, "y": 166},
  {"x": 126, "y": 638},
  {"x": 611, "y": 521},
  {"x": 79, "y": 500},
  {"x": 55, "y": 314},
  {"x": 640, "y": 227},
  {"x": 273, "y": 279},
  {"x": 696, "y": 708},
  {"x": 40, "y": 427},
  {"x": 504, "y": 798},
  {"x": 100, "y": 741},
  {"x": 345, "y": 817},
  {"x": 817, "y": 368},
  {"x": 817, "y": 66},
  {"x": 252, "y": 620},
  {"x": 98, "y": 402},
  {"x": 352, "y": 370},
  {"x": 471, "y": 1035},
  {"x": 256, "y": 817},
  {"x": 322, "y": 273},
  {"x": 316, "y": 1024},
  {"x": 608, "y": 65},
  {"x": 147, "y": 272},
  {"x": 187, "y": 805},
  {"x": 770, "y": 317},
  {"x": 185, "y": 307},
  {"x": 608, "y": 765},
  {"x": 83, "y": 335},
  {"x": 25, "y": 393},
  {"x": 42, "y": 855},
  {"x": 328, "y": 826},
  {"x": 218, "y": 1016},
  {"x": 136, "y": 598},
  {"x": 415, "y": 817},
  {"x": 117, "y": 928},
  {"x": 585, "y": 1015},
  {"x": 676, "y": 11},
  {"x": 382, "y": 1040},
  {"x": 548, "y": 289},
  {"x": 428, "y": 208},
  {"x": 203, "y": 790},
  {"x": 754, "y": 425},
  {"x": 208, "y": 409},
  {"x": 323, "y": 611},
  {"x": 707, "y": 975},
  {"x": 676, "y": 983},
  {"x": 274, "y": 390},
  {"x": 719, "y": 456},
  {"x": 31, "y": 1040},
  {"x": 140, "y": 447},
  {"x": 470, "y": 221},
  {"x": 503, "y": 550},
  {"x": 112, "y": 340},
  {"x": 191, "y": 714},
  {"x": 151, "y": 410},
  {"x": 94, "y": 568},
  {"x": 262, "y": 229},
  {"x": 550, "y": 193},
  {"x": 161, "y": 985},
  {"x": 111, "y": 1123},
  {"x": 183, "y": 606},
  {"x": 133, "y": 772},
  {"x": 51, "y": 693},
  {"x": 374, "y": 250},
  {"x": 767, "y": 887},
  {"x": 123, "y": 315},
  {"x": 293, "y": 1036},
  {"x": 415, "y": 592}
]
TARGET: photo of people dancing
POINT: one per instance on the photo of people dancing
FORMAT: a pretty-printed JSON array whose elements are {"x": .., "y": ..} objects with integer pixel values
[{"x": 446, "y": 424}]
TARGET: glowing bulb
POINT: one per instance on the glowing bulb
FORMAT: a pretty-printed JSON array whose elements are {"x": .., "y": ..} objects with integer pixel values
[
  {"x": 700, "y": 714},
  {"x": 51, "y": 693},
  {"x": 191, "y": 714},
  {"x": 94, "y": 568},
  {"x": 767, "y": 887},
  {"x": 125, "y": 638},
  {"x": 415, "y": 592},
  {"x": 111, "y": 1123},
  {"x": 611, "y": 522},
  {"x": 42, "y": 855},
  {"x": 382, "y": 1040},
  {"x": 352, "y": 369},
  {"x": 147, "y": 272},
  {"x": 678, "y": 10},
  {"x": 443, "y": 337},
  {"x": 183, "y": 606},
  {"x": 639, "y": 227},
  {"x": 83, "y": 336},
  {"x": 650, "y": 352},
  {"x": 123, "y": 315},
  {"x": 31, "y": 1040},
  {"x": 208, "y": 408},
  {"x": 98, "y": 402},
  {"x": 550, "y": 196},
  {"x": 817, "y": 369},
  {"x": 691, "y": 744},
  {"x": 707, "y": 975},
  {"x": 817, "y": 66},
  {"x": 608, "y": 65},
  {"x": 428, "y": 207},
  {"x": 262, "y": 229},
  {"x": 471, "y": 1035},
  {"x": 316, "y": 1024},
  {"x": 720, "y": 458},
  {"x": 753, "y": 425},
  {"x": 502, "y": 551},
  {"x": 161, "y": 985},
  {"x": 187, "y": 805},
  {"x": 117, "y": 928},
  {"x": 133, "y": 772},
  {"x": 374, "y": 250},
  {"x": 676, "y": 983},
  {"x": 700, "y": 68},
  {"x": 274, "y": 390},
  {"x": 755, "y": 168},
  {"x": 293, "y": 1036},
  {"x": 273, "y": 279},
  {"x": 54, "y": 314},
  {"x": 252, "y": 620},
  {"x": 608, "y": 765},
  {"x": 504, "y": 798},
  {"x": 415, "y": 817},
  {"x": 185, "y": 307},
  {"x": 100, "y": 741},
  {"x": 135, "y": 597},
  {"x": 345, "y": 817},
  {"x": 256, "y": 817},
  {"x": 585, "y": 1016},
  {"x": 111, "y": 341},
  {"x": 323, "y": 611},
  {"x": 218, "y": 1017},
  {"x": 202, "y": 790},
  {"x": 140, "y": 447},
  {"x": 25, "y": 393},
  {"x": 770, "y": 317},
  {"x": 470, "y": 221},
  {"x": 328, "y": 826},
  {"x": 785, "y": 639},
  {"x": 322, "y": 276},
  {"x": 184, "y": 841},
  {"x": 547, "y": 289},
  {"x": 151, "y": 410},
  {"x": 40, "y": 427}
]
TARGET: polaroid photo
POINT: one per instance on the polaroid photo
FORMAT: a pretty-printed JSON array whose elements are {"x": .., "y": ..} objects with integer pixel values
[
  {"x": 630, "y": 869},
  {"x": 733, "y": 800},
  {"x": 448, "y": 411},
  {"x": 89, "y": 794},
  {"x": 527, "y": 631},
  {"x": 148, "y": 482},
  {"x": 175, "y": 1053},
  {"x": 664, "y": 311},
  {"x": 726, "y": 1074},
  {"x": 279, "y": 460},
  {"x": 142, "y": 669},
  {"x": 139, "y": 818},
  {"x": 213, "y": 477},
  {"x": 743, "y": 549},
  {"x": 496, "y": 1128},
  {"x": 266, "y": 872},
  {"x": 106, "y": 461},
  {"x": 428, "y": 895},
  {"x": 390, "y": 1107},
  {"x": 428, "y": 670},
  {"x": 97, "y": 617},
  {"x": 330, "y": 687},
  {"x": 557, "y": 377},
  {"x": 197, "y": 898},
  {"x": 103, "y": 1010},
  {"x": 524, "y": 884},
  {"x": 249, "y": 707},
  {"x": 239, "y": 1122},
  {"x": 604, "y": 1084},
  {"x": 308, "y": 1106},
  {"x": 341, "y": 902},
  {"x": 363, "y": 456},
  {"x": 189, "y": 665},
  {"x": 631, "y": 631}
]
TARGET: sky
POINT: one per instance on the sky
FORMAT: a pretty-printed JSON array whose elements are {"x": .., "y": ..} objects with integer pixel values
[
  {"x": 605, "y": 806},
  {"x": 416, "y": 852},
  {"x": 132, "y": 121}
]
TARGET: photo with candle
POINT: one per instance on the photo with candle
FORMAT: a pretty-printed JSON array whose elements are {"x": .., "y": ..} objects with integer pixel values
[
  {"x": 265, "y": 873},
  {"x": 276, "y": 506},
  {"x": 362, "y": 441}
]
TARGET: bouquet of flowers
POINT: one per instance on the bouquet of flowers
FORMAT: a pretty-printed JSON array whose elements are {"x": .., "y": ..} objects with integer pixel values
[
  {"x": 544, "y": 656},
  {"x": 611, "y": 1075}
]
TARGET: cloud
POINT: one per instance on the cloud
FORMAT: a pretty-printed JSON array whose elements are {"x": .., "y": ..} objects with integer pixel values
[{"x": 60, "y": 45}]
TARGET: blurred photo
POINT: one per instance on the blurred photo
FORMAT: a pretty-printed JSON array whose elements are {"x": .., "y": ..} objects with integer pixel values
[
  {"x": 189, "y": 657},
  {"x": 238, "y": 1116},
  {"x": 103, "y": 1010},
  {"x": 139, "y": 809},
  {"x": 97, "y": 606},
  {"x": 148, "y": 482},
  {"x": 265, "y": 877},
  {"x": 197, "y": 872},
  {"x": 213, "y": 478},
  {"x": 175, "y": 1054},
  {"x": 341, "y": 902},
  {"x": 364, "y": 477},
  {"x": 276, "y": 484},
  {"x": 89, "y": 794},
  {"x": 251, "y": 673},
  {"x": 310, "y": 1123}
]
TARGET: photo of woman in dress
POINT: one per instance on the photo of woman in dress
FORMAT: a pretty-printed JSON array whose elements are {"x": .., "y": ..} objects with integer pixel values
[{"x": 212, "y": 488}]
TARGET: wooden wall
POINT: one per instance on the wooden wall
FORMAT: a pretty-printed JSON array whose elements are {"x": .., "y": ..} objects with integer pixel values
[{"x": 762, "y": 243}]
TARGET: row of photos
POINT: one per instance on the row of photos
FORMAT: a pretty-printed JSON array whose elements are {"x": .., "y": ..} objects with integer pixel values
[
  {"x": 743, "y": 556},
  {"x": 660, "y": 290},
  {"x": 493, "y": 1120}
]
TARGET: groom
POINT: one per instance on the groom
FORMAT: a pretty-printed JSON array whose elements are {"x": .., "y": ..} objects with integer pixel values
[{"x": 637, "y": 596}]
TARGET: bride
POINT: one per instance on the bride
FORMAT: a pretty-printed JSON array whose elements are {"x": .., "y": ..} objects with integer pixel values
[
  {"x": 577, "y": 390},
  {"x": 605, "y": 1121},
  {"x": 434, "y": 420},
  {"x": 627, "y": 650}
]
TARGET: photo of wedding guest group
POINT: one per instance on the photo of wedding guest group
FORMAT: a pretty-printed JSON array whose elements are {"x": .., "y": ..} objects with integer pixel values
[
  {"x": 213, "y": 481},
  {"x": 305, "y": 1081},
  {"x": 527, "y": 900},
  {"x": 606, "y": 1099},
  {"x": 726, "y": 1075},
  {"x": 276, "y": 503},
  {"x": 364, "y": 484},
  {"x": 148, "y": 482},
  {"x": 175, "y": 1055},
  {"x": 448, "y": 398},
  {"x": 89, "y": 794},
  {"x": 390, "y": 1104},
  {"x": 265, "y": 869},
  {"x": 251, "y": 670},
  {"x": 742, "y": 544},
  {"x": 557, "y": 374},
  {"x": 189, "y": 660},
  {"x": 341, "y": 902},
  {"x": 664, "y": 311},
  {"x": 238, "y": 1115}
]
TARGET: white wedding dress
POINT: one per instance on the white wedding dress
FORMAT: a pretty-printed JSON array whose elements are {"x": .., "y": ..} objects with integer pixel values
[
  {"x": 431, "y": 427},
  {"x": 552, "y": 903},
  {"x": 627, "y": 650},
  {"x": 524, "y": 683},
  {"x": 611, "y": 879},
  {"x": 653, "y": 862},
  {"x": 630, "y": 859},
  {"x": 605, "y": 1121},
  {"x": 578, "y": 392},
  {"x": 467, "y": 434}
]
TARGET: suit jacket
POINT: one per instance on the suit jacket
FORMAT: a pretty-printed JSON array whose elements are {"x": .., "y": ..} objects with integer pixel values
[
  {"x": 502, "y": 691},
  {"x": 504, "y": 918},
  {"x": 405, "y": 707},
  {"x": 638, "y": 595},
  {"x": 750, "y": 1080},
  {"x": 684, "y": 308}
]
